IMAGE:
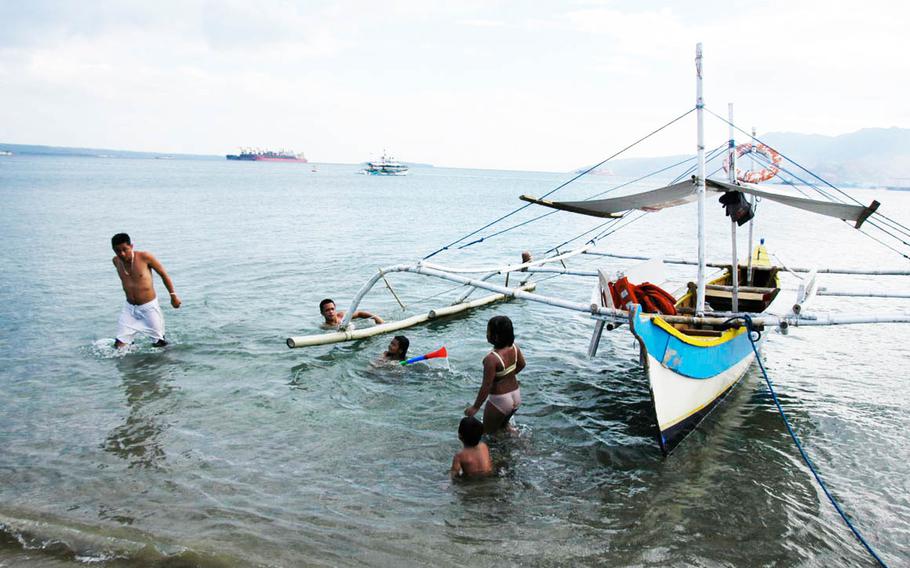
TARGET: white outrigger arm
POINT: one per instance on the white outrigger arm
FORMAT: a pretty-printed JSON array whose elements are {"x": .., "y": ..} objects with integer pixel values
[{"x": 524, "y": 292}]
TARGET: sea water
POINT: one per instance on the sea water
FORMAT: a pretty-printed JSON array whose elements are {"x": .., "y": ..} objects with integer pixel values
[{"x": 227, "y": 448}]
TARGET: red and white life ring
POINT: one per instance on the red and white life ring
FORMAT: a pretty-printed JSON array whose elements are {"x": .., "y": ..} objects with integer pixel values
[{"x": 755, "y": 176}]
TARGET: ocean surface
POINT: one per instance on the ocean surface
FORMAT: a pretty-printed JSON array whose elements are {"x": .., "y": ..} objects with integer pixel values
[{"x": 229, "y": 449}]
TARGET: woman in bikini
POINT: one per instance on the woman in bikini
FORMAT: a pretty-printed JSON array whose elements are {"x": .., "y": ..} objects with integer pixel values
[{"x": 500, "y": 386}]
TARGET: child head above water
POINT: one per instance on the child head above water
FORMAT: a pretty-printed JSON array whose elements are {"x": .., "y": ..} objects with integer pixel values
[
  {"x": 398, "y": 348},
  {"x": 470, "y": 430},
  {"x": 500, "y": 332}
]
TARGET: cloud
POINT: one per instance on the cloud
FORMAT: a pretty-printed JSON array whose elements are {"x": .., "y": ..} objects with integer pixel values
[{"x": 544, "y": 86}]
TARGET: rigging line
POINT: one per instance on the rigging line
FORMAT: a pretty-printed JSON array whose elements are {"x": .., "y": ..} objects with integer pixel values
[
  {"x": 813, "y": 174},
  {"x": 765, "y": 161},
  {"x": 868, "y": 221},
  {"x": 890, "y": 220},
  {"x": 791, "y": 160},
  {"x": 711, "y": 156},
  {"x": 596, "y": 195},
  {"x": 507, "y": 229},
  {"x": 552, "y": 191},
  {"x": 785, "y": 267},
  {"x": 891, "y": 224},
  {"x": 800, "y": 166},
  {"x": 630, "y": 146},
  {"x": 607, "y": 234},
  {"x": 452, "y": 289},
  {"x": 879, "y": 241},
  {"x": 660, "y": 171},
  {"x": 894, "y": 226},
  {"x": 748, "y": 319},
  {"x": 575, "y": 238},
  {"x": 893, "y": 236},
  {"x": 636, "y": 180}
]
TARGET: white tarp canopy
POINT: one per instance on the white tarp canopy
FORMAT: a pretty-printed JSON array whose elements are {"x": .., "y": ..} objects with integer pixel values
[{"x": 685, "y": 192}]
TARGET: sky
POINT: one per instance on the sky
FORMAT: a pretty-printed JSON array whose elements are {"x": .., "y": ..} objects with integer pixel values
[{"x": 527, "y": 85}]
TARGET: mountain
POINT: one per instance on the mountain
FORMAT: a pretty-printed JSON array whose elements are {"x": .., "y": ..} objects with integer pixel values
[
  {"x": 871, "y": 157},
  {"x": 867, "y": 157},
  {"x": 34, "y": 150}
]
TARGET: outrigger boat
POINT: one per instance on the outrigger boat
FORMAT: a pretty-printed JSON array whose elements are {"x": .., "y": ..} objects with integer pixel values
[{"x": 695, "y": 346}]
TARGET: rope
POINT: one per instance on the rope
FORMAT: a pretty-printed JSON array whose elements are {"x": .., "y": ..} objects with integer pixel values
[
  {"x": 894, "y": 226},
  {"x": 446, "y": 291},
  {"x": 748, "y": 319},
  {"x": 557, "y": 188},
  {"x": 813, "y": 174},
  {"x": 785, "y": 267}
]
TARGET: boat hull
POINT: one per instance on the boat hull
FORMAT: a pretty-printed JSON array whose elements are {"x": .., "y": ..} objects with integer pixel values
[
  {"x": 371, "y": 172},
  {"x": 295, "y": 160},
  {"x": 688, "y": 375}
]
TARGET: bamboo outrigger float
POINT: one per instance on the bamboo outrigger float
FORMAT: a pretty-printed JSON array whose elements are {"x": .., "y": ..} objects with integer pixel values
[{"x": 695, "y": 349}]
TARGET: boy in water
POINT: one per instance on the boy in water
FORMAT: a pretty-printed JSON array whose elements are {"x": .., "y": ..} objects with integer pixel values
[
  {"x": 141, "y": 312},
  {"x": 334, "y": 318},
  {"x": 398, "y": 349},
  {"x": 474, "y": 460}
]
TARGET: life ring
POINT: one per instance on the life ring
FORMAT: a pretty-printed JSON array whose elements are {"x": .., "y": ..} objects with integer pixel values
[{"x": 755, "y": 176}]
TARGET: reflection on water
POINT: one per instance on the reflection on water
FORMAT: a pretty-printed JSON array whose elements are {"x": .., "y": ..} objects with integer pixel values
[{"x": 146, "y": 385}]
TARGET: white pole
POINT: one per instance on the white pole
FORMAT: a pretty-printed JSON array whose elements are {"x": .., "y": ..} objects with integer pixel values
[
  {"x": 751, "y": 221},
  {"x": 699, "y": 106},
  {"x": 731, "y": 175}
]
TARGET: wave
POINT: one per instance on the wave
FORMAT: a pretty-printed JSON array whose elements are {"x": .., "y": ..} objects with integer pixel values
[{"x": 48, "y": 538}]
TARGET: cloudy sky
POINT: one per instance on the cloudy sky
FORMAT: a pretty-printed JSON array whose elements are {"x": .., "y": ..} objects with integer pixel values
[{"x": 539, "y": 85}]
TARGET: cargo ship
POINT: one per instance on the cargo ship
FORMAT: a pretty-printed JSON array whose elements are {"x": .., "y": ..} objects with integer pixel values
[{"x": 250, "y": 155}]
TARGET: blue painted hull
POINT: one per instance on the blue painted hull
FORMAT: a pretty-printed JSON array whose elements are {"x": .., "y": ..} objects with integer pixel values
[{"x": 688, "y": 375}]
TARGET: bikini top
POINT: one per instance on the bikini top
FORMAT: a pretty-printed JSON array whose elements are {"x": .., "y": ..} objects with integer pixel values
[{"x": 511, "y": 368}]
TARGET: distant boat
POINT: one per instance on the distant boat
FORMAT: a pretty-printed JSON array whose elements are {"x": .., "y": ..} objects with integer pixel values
[
  {"x": 385, "y": 166},
  {"x": 250, "y": 155},
  {"x": 5, "y": 153}
]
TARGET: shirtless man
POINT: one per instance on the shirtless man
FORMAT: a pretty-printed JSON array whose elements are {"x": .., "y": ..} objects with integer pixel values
[
  {"x": 141, "y": 312},
  {"x": 334, "y": 318}
]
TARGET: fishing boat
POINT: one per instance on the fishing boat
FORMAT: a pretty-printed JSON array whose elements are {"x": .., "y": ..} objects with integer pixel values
[
  {"x": 386, "y": 165},
  {"x": 696, "y": 343}
]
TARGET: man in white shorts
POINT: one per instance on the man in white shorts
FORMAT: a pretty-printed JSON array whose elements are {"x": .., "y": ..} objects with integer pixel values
[{"x": 141, "y": 313}]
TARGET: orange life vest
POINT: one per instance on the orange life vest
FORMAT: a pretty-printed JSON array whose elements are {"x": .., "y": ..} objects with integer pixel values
[
  {"x": 623, "y": 293},
  {"x": 652, "y": 298}
]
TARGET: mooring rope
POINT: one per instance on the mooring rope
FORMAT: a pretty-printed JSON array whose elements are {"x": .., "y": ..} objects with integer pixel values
[{"x": 748, "y": 319}]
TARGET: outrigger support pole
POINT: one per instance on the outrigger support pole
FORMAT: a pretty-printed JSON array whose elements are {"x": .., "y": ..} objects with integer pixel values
[
  {"x": 699, "y": 113},
  {"x": 752, "y": 220},
  {"x": 734, "y": 266},
  {"x": 389, "y": 327}
]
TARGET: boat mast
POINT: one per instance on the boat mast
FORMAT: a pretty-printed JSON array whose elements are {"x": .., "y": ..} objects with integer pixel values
[
  {"x": 699, "y": 106},
  {"x": 751, "y": 221},
  {"x": 731, "y": 176}
]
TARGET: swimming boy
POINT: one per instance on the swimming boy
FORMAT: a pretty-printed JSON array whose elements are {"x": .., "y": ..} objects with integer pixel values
[
  {"x": 398, "y": 349},
  {"x": 334, "y": 318},
  {"x": 141, "y": 312},
  {"x": 474, "y": 460}
]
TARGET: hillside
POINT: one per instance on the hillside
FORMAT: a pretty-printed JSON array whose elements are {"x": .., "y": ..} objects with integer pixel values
[{"x": 869, "y": 157}]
